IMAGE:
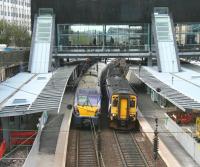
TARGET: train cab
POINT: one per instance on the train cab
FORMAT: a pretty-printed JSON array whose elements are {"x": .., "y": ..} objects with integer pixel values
[{"x": 123, "y": 111}]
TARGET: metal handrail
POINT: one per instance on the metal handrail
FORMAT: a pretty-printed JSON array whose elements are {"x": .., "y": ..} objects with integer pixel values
[{"x": 100, "y": 49}]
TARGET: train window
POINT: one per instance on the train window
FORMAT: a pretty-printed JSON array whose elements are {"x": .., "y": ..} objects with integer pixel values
[
  {"x": 115, "y": 102},
  {"x": 82, "y": 100},
  {"x": 132, "y": 103},
  {"x": 93, "y": 100}
]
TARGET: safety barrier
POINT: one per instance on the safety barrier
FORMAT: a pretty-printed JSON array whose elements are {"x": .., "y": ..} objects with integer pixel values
[
  {"x": 2, "y": 149},
  {"x": 22, "y": 137}
]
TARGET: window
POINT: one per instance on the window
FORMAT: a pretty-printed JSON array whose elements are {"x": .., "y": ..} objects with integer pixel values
[
  {"x": 82, "y": 100},
  {"x": 19, "y": 101},
  {"x": 115, "y": 102},
  {"x": 87, "y": 100},
  {"x": 132, "y": 103},
  {"x": 41, "y": 78},
  {"x": 92, "y": 100}
]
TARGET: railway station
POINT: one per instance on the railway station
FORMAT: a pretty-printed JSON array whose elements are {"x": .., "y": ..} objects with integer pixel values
[{"x": 104, "y": 83}]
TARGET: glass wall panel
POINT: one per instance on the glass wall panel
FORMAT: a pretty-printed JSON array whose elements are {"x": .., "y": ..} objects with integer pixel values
[
  {"x": 102, "y": 37},
  {"x": 188, "y": 36}
]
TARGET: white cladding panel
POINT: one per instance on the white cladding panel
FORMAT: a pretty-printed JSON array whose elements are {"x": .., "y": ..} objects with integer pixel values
[
  {"x": 42, "y": 45},
  {"x": 168, "y": 58},
  {"x": 166, "y": 44},
  {"x": 40, "y": 63}
]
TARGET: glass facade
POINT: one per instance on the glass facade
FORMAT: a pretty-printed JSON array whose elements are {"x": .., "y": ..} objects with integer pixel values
[
  {"x": 116, "y": 38},
  {"x": 124, "y": 37},
  {"x": 188, "y": 36}
]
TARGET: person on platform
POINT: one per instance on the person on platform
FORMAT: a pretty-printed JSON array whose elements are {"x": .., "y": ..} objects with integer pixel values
[
  {"x": 94, "y": 41},
  {"x": 112, "y": 41}
]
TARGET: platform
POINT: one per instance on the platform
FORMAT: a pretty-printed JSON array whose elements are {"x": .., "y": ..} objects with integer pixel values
[
  {"x": 52, "y": 152},
  {"x": 170, "y": 150}
]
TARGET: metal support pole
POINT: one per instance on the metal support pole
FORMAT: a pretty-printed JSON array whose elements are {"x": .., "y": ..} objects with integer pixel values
[
  {"x": 99, "y": 144},
  {"x": 150, "y": 36},
  {"x": 155, "y": 143},
  {"x": 104, "y": 36}
]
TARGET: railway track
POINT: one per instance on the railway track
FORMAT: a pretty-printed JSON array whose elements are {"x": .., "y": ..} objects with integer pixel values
[
  {"x": 86, "y": 154},
  {"x": 83, "y": 151},
  {"x": 16, "y": 158},
  {"x": 129, "y": 150}
]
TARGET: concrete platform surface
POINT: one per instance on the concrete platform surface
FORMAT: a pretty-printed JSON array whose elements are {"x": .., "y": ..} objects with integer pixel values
[{"x": 50, "y": 132}]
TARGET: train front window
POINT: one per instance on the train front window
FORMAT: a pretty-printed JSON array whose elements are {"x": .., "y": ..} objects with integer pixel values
[
  {"x": 82, "y": 100},
  {"x": 132, "y": 103},
  {"x": 115, "y": 102},
  {"x": 93, "y": 100}
]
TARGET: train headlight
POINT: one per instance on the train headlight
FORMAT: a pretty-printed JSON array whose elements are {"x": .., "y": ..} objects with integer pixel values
[
  {"x": 113, "y": 114},
  {"x": 76, "y": 111},
  {"x": 111, "y": 117},
  {"x": 132, "y": 116}
]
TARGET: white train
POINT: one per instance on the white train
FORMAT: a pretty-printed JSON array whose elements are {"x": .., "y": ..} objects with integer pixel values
[{"x": 87, "y": 103}]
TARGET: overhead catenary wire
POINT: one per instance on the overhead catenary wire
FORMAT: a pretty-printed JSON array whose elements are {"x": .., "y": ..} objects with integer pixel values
[
  {"x": 68, "y": 131},
  {"x": 28, "y": 91},
  {"x": 63, "y": 131},
  {"x": 67, "y": 103},
  {"x": 48, "y": 124}
]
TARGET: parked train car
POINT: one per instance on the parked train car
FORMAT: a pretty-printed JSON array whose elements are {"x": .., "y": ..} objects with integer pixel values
[
  {"x": 122, "y": 108},
  {"x": 87, "y": 104}
]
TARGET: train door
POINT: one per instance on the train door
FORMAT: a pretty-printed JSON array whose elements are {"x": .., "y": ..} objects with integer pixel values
[{"x": 123, "y": 108}]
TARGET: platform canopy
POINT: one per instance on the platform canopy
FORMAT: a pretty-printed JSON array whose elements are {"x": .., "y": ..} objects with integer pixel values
[{"x": 116, "y": 11}]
